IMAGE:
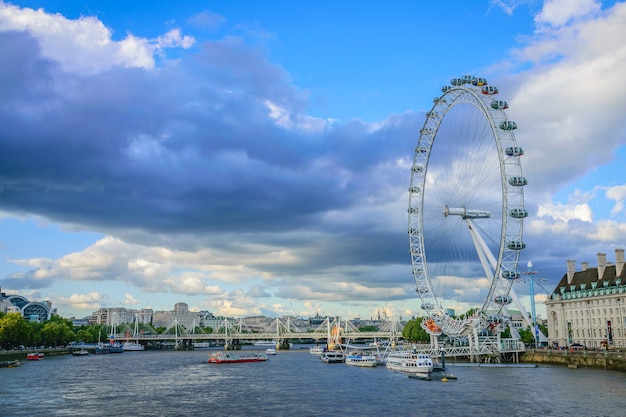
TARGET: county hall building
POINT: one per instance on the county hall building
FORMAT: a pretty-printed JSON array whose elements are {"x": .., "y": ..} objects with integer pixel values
[{"x": 587, "y": 309}]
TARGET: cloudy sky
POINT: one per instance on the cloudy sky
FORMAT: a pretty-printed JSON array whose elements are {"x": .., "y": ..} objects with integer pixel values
[{"x": 254, "y": 157}]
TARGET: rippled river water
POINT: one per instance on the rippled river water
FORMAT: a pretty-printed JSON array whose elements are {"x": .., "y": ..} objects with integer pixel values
[{"x": 295, "y": 383}]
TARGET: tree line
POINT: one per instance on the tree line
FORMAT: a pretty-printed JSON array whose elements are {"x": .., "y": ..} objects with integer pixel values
[{"x": 16, "y": 331}]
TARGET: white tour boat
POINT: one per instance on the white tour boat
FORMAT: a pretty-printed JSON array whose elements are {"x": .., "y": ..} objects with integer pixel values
[
  {"x": 136, "y": 346},
  {"x": 130, "y": 345},
  {"x": 316, "y": 350},
  {"x": 410, "y": 361},
  {"x": 359, "y": 358},
  {"x": 266, "y": 343},
  {"x": 333, "y": 356}
]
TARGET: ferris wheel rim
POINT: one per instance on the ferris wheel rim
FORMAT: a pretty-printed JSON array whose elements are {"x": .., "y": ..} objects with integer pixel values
[{"x": 510, "y": 240}]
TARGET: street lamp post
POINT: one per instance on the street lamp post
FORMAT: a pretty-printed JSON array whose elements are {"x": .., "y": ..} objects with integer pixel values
[{"x": 533, "y": 313}]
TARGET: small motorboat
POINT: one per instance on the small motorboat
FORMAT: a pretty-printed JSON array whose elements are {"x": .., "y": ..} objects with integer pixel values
[{"x": 35, "y": 356}]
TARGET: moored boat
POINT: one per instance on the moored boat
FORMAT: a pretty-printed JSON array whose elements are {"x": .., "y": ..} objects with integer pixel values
[
  {"x": 316, "y": 350},
  {"x": 333, "y": 356},
  {"x": 35, "y": 356},
  {"x": 136, "y": 346},
  {"x": 267, "y": 343},
  {"x": 273, "y": 343},
  {"x": 228, "y": 357},
  {"x": 133, "y": 345},
  {"x": 410, "y": 361},
  {"x": 270, "y": 351},
  {"x": 102, "y": 348},
  {"x": 10, "y": 364},
  {"x": 115, "y": 347},
  {"x": 80, "y": 352},
  {"x": 358, "y": 358}
]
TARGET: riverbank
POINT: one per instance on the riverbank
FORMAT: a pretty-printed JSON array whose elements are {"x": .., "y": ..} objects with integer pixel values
[
  {"x": 574, "y": 359},
  {"x": 21, "y": 353}
]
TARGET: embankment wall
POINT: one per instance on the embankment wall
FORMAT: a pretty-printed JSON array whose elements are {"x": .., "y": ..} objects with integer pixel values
[{"x": 579, "y": 358}]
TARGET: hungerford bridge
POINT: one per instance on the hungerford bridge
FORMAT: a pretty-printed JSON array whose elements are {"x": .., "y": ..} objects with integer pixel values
[{"x": 335, "y": 332}]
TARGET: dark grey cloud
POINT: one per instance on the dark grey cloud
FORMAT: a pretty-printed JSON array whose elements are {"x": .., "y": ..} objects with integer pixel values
[{"x": 191, "y": 149}]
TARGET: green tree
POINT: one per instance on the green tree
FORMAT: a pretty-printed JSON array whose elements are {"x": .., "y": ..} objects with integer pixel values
[
  {"x": 57, "y": 333},
  {"x": 413, "y": 331},
  {"x": 368, "y": 329},
  {"x": 468, "y": 313},
  {"x": 35, "y": 339},
  {"x": 526, "y": 335},
  {"x": 14, "y": 331}
]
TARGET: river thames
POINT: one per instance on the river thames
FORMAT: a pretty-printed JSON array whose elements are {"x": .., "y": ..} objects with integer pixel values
[{"x": 295, "y": 383}]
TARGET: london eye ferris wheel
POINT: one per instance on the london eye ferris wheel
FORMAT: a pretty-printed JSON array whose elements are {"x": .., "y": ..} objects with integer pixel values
[{"x": 466, "y": 209}]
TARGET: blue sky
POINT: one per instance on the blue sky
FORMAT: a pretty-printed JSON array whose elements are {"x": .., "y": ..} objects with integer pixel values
[{"x": 254, "y": 157}]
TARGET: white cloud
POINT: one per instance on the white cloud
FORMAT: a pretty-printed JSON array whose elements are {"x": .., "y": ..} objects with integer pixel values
[
  {"x": 130, "y": 300},
  {"x": 618, "y": 194},
  {"x": 609, "y": 231},
  {"x": 294, "y": 122},
  {"x": 190, "y": 283},
  {"x": 86, "y": 45},
  {"x": 91, "y": 301},
  {"x": 559, "y": 12},
  {"x": 565, "y": 213}
]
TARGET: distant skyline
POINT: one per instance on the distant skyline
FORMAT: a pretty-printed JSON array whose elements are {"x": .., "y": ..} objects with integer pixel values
[{"x": 253, "y": 158}]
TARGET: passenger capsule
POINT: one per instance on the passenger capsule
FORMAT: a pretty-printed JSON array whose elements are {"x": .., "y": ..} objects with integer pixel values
[
  {"x": 508, "y": 125},
  {"x": 503, "y": 299},
  {"x": 457, "y": 81},
  {"x": 467, "y": 79},
  {"x": 489, "y": 90},
  {"x": 446, "y": 88},
  {"x": 518, "y": 213},
  {"x": 514, "y": 151},
  {"x": 493, "y": 319},
  {"x": 479, "y": 82},
  {"x": 511, "y": 274},
  {"x": 499, "y": 105},
  {"x": 428, "y": 306},
  {"x": 518, "y": 181},
  {"x": 516, "y": 245}
]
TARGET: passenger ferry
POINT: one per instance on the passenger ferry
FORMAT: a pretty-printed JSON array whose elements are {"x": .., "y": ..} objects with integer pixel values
[
  {"x": 362, "y": 359},
  {"x": 227, "y": 357},
  {"x": 265, "y": 343},
  {"x": 410, "y": 361},
  {"x": 333, "y": 356}
]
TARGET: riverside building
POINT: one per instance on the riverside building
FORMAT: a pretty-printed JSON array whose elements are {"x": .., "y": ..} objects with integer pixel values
[
  {"x": 38, "y": 311},
  {"x": 587, "y": 309}
]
